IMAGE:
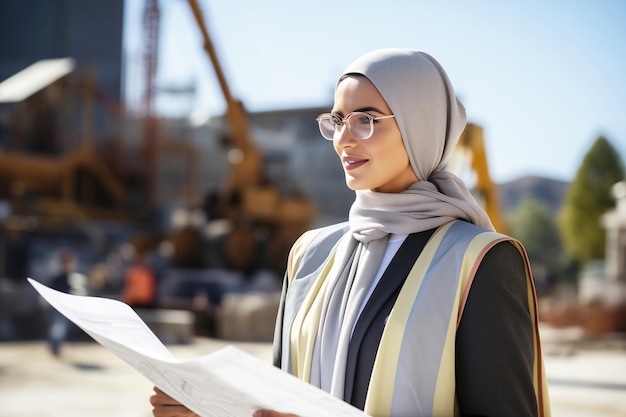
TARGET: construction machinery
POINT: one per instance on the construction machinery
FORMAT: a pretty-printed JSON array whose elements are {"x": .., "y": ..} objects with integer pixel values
[
  {"x": 470, "y": 158},
  {"x": 77, "y": 185},
  {"x": 248, "y": 199},
  {"x": 52, "y": 167},
  {"x": 78, "y": 180}
]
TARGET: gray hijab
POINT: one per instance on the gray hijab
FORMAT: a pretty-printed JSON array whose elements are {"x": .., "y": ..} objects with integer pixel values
[{"x": 431, "y": 120}]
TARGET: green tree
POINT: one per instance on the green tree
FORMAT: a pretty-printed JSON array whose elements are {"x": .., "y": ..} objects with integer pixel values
[
  {"x": 534, "y": 225},
  {"x": 587, "y": 199}
]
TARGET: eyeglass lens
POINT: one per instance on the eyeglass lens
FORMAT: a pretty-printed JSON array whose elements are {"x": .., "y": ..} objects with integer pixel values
[{"x": 359, "y": 124}]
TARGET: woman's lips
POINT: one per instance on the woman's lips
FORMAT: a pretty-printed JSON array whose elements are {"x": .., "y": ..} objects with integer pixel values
[{"x": 350, "y": 163}]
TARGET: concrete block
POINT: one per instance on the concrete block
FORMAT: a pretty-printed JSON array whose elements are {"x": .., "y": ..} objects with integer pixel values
[
  {"x": 170, "y": 326},
  {"x": 247, "y": 317}
]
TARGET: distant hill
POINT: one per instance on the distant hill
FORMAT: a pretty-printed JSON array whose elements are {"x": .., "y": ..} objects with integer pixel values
[{"x": 549, "y": 191}]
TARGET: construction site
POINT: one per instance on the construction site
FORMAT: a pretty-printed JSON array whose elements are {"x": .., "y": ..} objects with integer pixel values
[
  {"x": 204, "y": 207},
  {"x": 210, "y": 207}
]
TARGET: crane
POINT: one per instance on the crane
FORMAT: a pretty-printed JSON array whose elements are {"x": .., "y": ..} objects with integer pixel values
[
  {"x": 247, "y": 197},
  {"x": 151, "y": 20},
  {"x": 470, "y": 152}
]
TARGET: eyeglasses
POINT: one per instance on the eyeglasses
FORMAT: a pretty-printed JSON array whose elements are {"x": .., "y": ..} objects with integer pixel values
[{"x": 360, "y": 124}]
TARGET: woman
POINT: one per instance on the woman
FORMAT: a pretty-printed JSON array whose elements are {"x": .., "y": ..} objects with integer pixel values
[{"x": 414, "y": 307}]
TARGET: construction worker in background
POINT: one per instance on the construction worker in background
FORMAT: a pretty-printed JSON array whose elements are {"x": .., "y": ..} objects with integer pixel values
[
  {"x": 139, "y": 288},
  {"x": 67, "y": 280}
]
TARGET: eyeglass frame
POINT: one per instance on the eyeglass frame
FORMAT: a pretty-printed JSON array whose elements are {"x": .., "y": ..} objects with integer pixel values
[{"x": 328, "y": 116}]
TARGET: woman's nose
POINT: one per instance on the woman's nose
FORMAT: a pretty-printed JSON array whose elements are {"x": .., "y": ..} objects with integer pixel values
[{"x": 343, "y": 138}]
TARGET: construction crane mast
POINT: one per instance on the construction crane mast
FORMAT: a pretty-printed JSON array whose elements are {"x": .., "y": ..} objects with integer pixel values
[{"x": 150, "y": 142}]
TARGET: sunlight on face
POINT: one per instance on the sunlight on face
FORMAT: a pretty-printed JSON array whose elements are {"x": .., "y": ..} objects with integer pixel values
[{"x": 379, "y": 163}]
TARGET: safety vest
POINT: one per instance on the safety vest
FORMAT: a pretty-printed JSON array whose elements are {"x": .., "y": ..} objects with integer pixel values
[{"x": 430, "y": 302}]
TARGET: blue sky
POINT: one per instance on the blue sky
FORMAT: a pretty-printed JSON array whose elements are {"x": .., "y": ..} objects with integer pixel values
[{"x": 543, "y": 78}]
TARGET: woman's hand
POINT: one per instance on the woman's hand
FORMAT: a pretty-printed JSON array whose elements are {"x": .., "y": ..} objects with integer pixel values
[
  {"x": 271, "y": 413},
  {"x": 165, "y": 406}
]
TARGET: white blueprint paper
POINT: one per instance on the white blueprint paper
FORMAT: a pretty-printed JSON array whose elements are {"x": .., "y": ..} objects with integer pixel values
[{"x": 226, "y": 383}]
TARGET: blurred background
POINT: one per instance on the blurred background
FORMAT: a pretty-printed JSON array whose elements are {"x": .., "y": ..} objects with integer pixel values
[{"x": 171, "y": 148}]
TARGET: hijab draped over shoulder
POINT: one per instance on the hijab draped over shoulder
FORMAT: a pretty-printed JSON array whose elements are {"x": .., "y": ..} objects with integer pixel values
[{"x": 431, "y": 120}]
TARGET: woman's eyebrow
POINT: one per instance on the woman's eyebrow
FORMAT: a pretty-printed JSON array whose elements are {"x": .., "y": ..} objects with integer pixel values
[
  {"x": 369, "y": 109},
  {"x": 362, "y": 109}
]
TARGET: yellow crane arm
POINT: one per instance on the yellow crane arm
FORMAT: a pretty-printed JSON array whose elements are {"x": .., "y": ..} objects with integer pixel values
[
  {"x": 246, "y": 170},
  {"x": 485, "y": 189}
]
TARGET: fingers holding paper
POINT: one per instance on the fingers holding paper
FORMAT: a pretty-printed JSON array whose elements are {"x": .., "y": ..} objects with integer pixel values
[
  {"x": 271, "y": 413},
  {"x": 165, "y": 406}
]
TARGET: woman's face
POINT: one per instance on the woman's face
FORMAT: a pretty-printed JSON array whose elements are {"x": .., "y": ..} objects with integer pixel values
[{"x": 379, "y": 163}]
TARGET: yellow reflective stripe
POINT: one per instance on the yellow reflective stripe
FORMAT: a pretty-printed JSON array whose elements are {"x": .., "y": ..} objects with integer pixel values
[
  {"x": 382, "y": 382},
  {"x": 297, "y": 251},
  {"x": 306, "y": 324},
  {"x": 295, "y": 256}
]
